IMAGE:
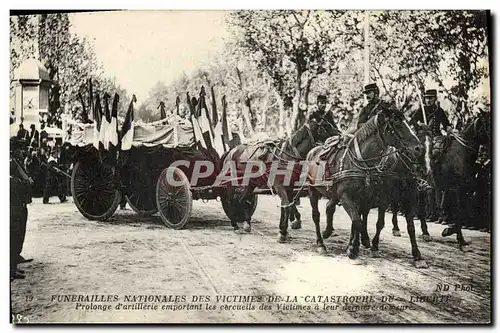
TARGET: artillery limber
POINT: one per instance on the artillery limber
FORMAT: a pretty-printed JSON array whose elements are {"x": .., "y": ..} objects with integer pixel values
[{"x": 141, "y": 173}]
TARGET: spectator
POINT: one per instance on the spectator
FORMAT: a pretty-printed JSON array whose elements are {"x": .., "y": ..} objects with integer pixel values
[
  {"x": 54, "y": 177},
  {"x": 22, "y": 133},
  {"x": 34, "y": 137}
]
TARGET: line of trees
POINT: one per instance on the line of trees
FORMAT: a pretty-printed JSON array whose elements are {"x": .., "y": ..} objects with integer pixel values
[
  {"x": 278, "y": 62},
  {"x": 70, "y": 60}
]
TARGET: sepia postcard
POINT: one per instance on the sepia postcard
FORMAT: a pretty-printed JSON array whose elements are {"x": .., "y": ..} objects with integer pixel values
[{"x": 250, "y": 167}]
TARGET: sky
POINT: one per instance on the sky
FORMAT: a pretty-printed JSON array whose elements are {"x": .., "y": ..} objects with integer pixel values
[{"x": 140, "y": 48}]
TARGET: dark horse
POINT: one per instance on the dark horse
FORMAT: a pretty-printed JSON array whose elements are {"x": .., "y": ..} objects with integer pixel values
[
  {"x": 406, "y": 192},
  {"x": 398, "y": 187},
  {"x": 351, "y": 169},
  {"x": 292, "y": 150},
  {"x": 453, "y": 169}
]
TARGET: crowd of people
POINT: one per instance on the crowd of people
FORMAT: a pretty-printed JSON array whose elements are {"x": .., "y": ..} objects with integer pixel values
[
  {"x": 36, "y": 169},
  {"x": 42, "y": 160}
]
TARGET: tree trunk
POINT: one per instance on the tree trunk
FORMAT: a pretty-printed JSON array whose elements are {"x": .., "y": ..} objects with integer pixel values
[
  {"x": 306, "y": 99},
  {"x": 301, "y": 95},
  {"x": 246, "y": 109},
  {"x": 296, "y": 100},
  {"x": 263, "y": 113},
  {"x": 281, "y": 107},
  {"x": 288, "y": 122}
]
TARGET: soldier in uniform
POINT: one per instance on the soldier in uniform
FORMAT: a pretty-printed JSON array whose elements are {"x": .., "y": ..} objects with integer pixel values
[
  {"x": 53, "y": 177},
  {"x": 436, "y": 118},
  {"x": 374, "y": 104},
  {"x": 20, "y": 196},
  {"x": 322, "y": 114},
  {"x": 43, "y": 136},
  {"x": 34, "y": 137},
  {"x": 22, "y": 133}
]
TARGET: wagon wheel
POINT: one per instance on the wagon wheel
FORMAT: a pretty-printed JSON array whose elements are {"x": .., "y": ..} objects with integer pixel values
[
  {"x": 232, "y": 206},
  {"x": 174, "y": 200},
  {"x": 141, "y": 195},
  {"x": 93, "y": 191}
]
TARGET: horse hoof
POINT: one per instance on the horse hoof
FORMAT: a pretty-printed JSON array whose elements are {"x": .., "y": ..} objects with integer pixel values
[
  {"x": 447, "y": 232},
  {"x": 375, "y": 254},
  {"x": 282, "y": 239},
  {"x": 321, "y": 250},
  {"x": 426, "y": 238},
  {"x": 297, "y": 224},
  {"x": 396, "y": 233},
  {"x": 366, "y": 243},
  {"x": 464, "y": 248},
  {"x": 351, "y": 253},
  {"x": 247, "y": 227},
  {"x": 327, "y": 234},
  {"x": 420, "y": 264}
]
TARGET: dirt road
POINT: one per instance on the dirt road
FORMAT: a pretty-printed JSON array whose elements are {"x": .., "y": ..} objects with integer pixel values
[{"x": 129, "y": 256}]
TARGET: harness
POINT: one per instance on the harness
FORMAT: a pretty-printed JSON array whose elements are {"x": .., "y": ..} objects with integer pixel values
[
  {"x": 463, "y": 141},
  {"x": 363, "y": 171}
]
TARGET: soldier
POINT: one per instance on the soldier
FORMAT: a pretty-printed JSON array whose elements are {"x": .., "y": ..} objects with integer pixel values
[
  {"x": 322, "y": 114},
  {"x": 43, "y": 136},
  {"x": 436, "y": 118},
  {"x": 34, "y": 137},
  {"x": 20, "y": 196},
  {"x": 374, "y": 104},
  {"x": 53, "y": 177},
  {"x": 22, "y": 133}
]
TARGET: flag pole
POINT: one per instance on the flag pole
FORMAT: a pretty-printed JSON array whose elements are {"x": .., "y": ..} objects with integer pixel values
[{"x": 427, "y": 139}]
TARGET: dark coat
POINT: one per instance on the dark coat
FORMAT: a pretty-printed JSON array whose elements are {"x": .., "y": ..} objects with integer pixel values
[
  {"x": 372, "y": 109},
  {"x": 435, "y": 118},
  {"x": 327, "y": 115}
]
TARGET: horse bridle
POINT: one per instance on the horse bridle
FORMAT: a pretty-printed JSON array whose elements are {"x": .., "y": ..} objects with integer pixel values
[
  {"x": 297, "y": 155},
  {"x": 323, "y": 119},
  {"x": 357, "y": 158},
  {"x": 463, "y": 141},
  {"x": 392, "y": 131}
]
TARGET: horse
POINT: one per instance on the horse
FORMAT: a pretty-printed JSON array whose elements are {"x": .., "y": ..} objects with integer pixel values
[
  {"x": 295, "y": 216},
  {"x": 293, "y": 150},
  {"x": 453, "y": 169},
  {"x": 415, "y": 184},
  {"x": 399, "y": 187},
  {"x": 350, "y": 171}
]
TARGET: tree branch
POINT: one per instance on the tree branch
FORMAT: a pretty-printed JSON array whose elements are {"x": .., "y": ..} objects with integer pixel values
[{"x": 383, "y": 83}]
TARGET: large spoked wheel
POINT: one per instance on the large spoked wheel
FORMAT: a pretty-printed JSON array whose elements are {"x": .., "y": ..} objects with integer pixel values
[
  {"x": 141, "y": 195},
  {"x": 93, "y": 190},
  {"x": 234, "y": 210},
  {"x": 174, "y": 198}
]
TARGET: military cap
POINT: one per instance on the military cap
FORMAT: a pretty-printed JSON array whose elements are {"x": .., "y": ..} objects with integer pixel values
[
  {"x": 430, "y": 93},
  {"x": 370, "y": 87},
  {"x": 321, "y": 98}
]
